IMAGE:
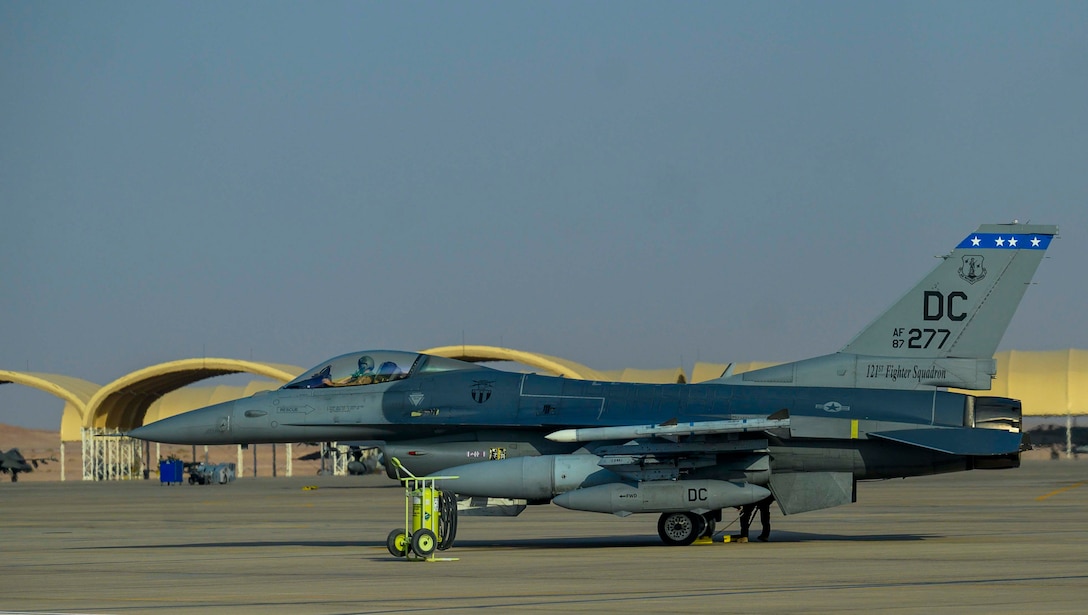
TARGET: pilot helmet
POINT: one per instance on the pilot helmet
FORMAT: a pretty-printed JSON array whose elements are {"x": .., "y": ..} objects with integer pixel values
[{"x": 366, "y": 364}]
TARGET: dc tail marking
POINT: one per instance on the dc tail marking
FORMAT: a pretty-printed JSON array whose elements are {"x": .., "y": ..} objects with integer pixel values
[{"x": 963, "y": 307}]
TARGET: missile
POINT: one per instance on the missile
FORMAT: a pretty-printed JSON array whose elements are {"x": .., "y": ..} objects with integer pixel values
[
  {"x": 697, "y": 496},
  {"x": 627, "y": 432}
]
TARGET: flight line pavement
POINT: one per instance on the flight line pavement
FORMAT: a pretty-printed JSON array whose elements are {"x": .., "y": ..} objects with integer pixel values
[{"x": 1010, "y": 541}]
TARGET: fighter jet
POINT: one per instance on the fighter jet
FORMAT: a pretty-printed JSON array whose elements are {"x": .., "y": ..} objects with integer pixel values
[
  {"x": 12, "y": 462},
  {"x": 804, "y": 432}
]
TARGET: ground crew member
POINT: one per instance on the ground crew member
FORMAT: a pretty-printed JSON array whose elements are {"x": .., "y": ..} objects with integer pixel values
[{"x": 748, "y": 511}]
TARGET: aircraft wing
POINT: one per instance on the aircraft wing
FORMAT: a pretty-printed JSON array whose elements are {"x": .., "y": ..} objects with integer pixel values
[
  {"x": 666, "y": 461},
  {"x": 664, "y": 451}
]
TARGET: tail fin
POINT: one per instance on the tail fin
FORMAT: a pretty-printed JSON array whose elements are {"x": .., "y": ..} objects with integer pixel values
[
  {"x": 944, "y": 332},
  {"x": 962, "y": 308}
]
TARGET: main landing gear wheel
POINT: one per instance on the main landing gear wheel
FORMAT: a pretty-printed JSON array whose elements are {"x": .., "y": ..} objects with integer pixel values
[
  {"x": 711, "y": 525},
  {"x": 680, "y": 528},
  {"x": 397, "y": 543},
  {"x": 424, "y": 542}
]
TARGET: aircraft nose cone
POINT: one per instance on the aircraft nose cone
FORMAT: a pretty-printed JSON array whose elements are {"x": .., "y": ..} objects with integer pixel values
[{"x": 211, "y": 425}]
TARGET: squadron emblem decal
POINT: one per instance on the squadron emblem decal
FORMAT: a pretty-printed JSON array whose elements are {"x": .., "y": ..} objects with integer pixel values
[
  {"x": 481, "y": 390},
  {"x": 415, "y": 398},
  {"x": 972, "y": 269}
]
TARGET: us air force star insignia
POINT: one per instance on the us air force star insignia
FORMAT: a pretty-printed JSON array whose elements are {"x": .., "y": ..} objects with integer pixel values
[
  {"x": 832, "y": 406},
  {"x": 415, "y": 398},
  {"x": 975, "y": 241},
  {"x": 1000, "y": 241},
  {"x": 1012, "y": 242},
  {"x": 1035, "y": 242}
]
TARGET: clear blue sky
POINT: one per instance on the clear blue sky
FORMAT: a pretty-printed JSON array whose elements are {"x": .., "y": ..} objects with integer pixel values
[{"x": 624, "y": 184}]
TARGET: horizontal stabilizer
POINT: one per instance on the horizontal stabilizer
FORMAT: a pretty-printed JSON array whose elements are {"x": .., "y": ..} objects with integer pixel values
[{"x": 957, "y": 440}]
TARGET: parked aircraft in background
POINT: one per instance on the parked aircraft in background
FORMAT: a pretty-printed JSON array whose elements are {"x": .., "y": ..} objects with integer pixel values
[
  {"x": 358, "y": 463},
  {"x": 12, "y": 462},
  {"x": 804, "y": 432}
]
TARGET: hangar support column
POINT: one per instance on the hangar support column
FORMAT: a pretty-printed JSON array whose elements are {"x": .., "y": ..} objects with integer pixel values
[{"x": 108, "y": 455}]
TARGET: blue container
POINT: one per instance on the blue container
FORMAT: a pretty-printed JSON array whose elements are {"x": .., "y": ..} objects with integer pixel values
[{"x": 170, "y": 471}]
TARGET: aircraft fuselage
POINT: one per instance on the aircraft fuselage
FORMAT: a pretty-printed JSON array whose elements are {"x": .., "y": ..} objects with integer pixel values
[{"x": 443, "y": 411}]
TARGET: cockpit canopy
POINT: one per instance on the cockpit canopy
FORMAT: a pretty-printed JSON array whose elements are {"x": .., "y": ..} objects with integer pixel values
[{"x": 373, "y": 367}]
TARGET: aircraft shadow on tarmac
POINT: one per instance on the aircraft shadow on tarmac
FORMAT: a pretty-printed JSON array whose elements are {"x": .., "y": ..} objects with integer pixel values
[
  {"x": 809, "y": 537},
  {"x": 609, "y": 542},
  {"x": 589, "y": 542},
  {"x": 252, "y": 544},
  {"x": 355, "y": 487}
]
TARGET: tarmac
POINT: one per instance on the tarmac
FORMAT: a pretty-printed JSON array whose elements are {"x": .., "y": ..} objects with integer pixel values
[{"x": 1009, "y": 541}]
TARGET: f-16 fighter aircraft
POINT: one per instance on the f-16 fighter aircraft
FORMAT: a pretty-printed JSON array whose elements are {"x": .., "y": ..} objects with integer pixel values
[
  {"x": 13, "y": 462},
  {"x": 804, "y": 432}
]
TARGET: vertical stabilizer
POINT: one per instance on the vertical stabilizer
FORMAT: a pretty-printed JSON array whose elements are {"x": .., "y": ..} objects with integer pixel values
[
  {"x": 962, "y": 308},
  {"x": 944, "y": 332}
]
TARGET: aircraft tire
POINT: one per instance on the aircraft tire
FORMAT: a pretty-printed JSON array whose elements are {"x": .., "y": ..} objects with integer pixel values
[
  {"x": 700, "y": 524},
  {"x": 424, "y": 542},
  {"x": 397, "y": 543},
  {"x": 680, "y": 529},
  {"x": 711, "y": 525}
]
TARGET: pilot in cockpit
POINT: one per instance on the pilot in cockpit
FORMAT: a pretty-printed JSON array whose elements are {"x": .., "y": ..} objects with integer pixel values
[{"x": 363, "y": 375}]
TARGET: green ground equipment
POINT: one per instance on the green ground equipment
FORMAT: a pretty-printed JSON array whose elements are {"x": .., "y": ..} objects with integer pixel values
[{"x": 430, "y": 516}]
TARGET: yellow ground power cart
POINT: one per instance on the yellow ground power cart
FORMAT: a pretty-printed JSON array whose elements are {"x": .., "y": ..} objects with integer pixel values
[{"x": 430, "y": 516}]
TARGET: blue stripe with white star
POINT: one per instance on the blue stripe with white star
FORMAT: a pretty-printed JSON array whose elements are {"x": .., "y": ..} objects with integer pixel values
[{"x": 994, "y": 241}]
